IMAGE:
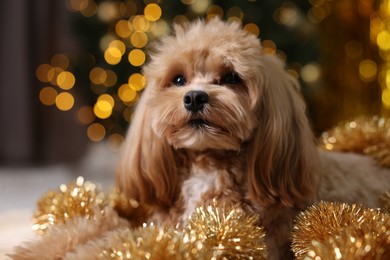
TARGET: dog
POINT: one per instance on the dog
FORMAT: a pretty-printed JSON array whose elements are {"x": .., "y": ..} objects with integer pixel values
[{"x": 219, "y": 119}]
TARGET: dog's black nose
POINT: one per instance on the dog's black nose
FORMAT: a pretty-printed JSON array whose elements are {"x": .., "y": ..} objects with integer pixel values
[{"x": 195, "y": 100}]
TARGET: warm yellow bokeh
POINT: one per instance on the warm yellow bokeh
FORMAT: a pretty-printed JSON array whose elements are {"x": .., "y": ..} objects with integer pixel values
[
  {"x": 96, "y": 132},
  {"x": 123, "y": 28},
  {"x": 98, "y": 75},
  {"x": 137, "y": 81},
  {"x": 48, "y": 96},
  {"x": 152, "y": 12},
  {"x": 44, "y": 72},
  {"x": 126, "y": 93},
  {"x": 137, "y": 57},
  {"x": 66, "y": 80},
  {"x": 139, "y": 39},
  {"x": 64, "y": 101}
]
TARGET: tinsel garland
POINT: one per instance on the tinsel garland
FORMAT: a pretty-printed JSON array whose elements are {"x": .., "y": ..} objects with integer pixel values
[
  {"x": 213, "y": 232},
  {"x": 73, "y": 200},
  {"x": 370, "y": 136},
  {"x": 83, "y": 199},
  {"x": 341, "y": 231},
  {"x": 324, "y": 231}
]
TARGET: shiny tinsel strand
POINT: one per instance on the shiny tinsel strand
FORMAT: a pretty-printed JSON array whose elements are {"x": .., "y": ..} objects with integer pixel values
[
  {"x": 231, "y": 232},
  {"x": 156, "y": 243},
  {"x": 72, "y": 200},
  {"x": 370, "y": 136},
  {"x": 341, "y": 231},
  {"x": 213, "y": 232}
]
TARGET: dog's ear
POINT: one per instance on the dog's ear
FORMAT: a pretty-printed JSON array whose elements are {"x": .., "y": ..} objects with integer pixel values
[
  {"x": 148, "y": 167},
  {"x": 282, "y": 152}
]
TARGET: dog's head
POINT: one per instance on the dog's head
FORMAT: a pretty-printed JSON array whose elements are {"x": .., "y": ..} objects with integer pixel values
[{"x": 210, "y": 87}]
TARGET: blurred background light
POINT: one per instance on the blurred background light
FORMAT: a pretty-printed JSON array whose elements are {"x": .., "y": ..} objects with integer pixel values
[
  {"x": 137, "y": 81},
  {"x": 96, "y": 132},
  {"x": 152, "y": 12},
  {"x": 64, "y": 101},
  {"x": 137, "y": 57}
]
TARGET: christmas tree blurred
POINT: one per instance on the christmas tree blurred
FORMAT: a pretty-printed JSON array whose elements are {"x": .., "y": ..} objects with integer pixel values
[{"x": 338, "y": 50}]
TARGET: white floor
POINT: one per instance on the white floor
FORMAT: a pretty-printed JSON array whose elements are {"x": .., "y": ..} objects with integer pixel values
[{"x": 20, "y": 188}]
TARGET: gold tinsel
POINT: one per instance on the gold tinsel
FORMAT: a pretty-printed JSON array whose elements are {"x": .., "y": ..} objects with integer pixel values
[
  {"x": 341, "y": 231},
  {"x": 150, "y": 242},
  {"x": 325, "y": 231},
  {"x": 73, "y": 200},
  {"x": 370, "y": 136},
  {"x": 231, "y": 232},
  {"x": 213, "y": 232},
  {"x": 84, "y": 199}
]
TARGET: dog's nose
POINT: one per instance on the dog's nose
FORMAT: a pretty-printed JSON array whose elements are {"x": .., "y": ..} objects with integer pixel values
[{"x": 195, "y": 100}]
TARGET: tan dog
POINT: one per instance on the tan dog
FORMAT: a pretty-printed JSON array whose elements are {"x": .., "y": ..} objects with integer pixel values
[{"x": 220, "y": 119}]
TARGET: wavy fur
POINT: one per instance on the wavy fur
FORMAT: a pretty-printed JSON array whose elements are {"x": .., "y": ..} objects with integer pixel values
[{"x": 250, "y": 143}]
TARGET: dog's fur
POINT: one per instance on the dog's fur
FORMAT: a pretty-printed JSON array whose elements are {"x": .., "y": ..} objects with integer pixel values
[{"x": 250, "y": 143}]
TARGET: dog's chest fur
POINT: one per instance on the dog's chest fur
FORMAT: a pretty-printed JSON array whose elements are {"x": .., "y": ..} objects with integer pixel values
[{"x": 213, "y": 176}]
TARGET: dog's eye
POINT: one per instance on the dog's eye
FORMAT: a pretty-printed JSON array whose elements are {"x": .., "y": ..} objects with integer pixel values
[
  {"x": 179, "y": 80},
  {"x": 231, "y": 78}
]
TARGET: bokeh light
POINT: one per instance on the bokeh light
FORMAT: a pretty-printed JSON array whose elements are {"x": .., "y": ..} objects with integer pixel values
[
  {"x": 269, "y": 47},
  {"x": 115, "y": 141},
  {"x": 48, "y": 96},
  {"x": 103, "y": 106},
  {"x": 44, "y": 73},
  {"x": 310, "y": 73},
  {"x": 214, "y": 11},
  {"x": 137, "y": 81},
  {"x": 66, "y": 80},
  {"x": 113, "y": 55},
  {"x": 85, "y": 115},
  {"x": 152, "y": 12},
  {"x": 367, "y": 70},
  {"x": 386, "y": 98},
  {"x": 253, "y": 29},
  {"x": 111, "y": 78},
  {"x": 96, "y": 132},
  {"x": 126, "y": 93},
  {"x": 60, "y": 60},
  {"x": 383, "y": 40},
  {"x": 98, "y": 75},
  {"x": 235, "y": 11},
  {"x": 137, "y": 57},
  {"x": 108, "y": 11},
  {"x": 139, "y": 39},
  {"x": 64, "y": 101},
  {"x": 199, "y": 6},
  {"x": 123, "y": 28},
  {"x": 140, "y": 23}
]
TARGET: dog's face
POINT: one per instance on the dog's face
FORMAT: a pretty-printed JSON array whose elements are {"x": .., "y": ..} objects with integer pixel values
[
  {"x": 203, "y": 93},
  {"x": 210, "y": 87}
]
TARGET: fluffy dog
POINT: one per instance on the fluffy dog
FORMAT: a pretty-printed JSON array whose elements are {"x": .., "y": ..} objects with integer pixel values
[{"x": 220, "y": 119}]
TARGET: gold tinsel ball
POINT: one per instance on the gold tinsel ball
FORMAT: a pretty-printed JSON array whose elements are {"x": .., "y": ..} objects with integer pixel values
[
  {"x": 232, "y": 233},
  {"x": 72, "y": 200},
  {"x": 213, "y": 232},
  {"x": 370, "y": 136},
  {"x": 155, "y": 243},
  {"x": 341, "y": 231}
]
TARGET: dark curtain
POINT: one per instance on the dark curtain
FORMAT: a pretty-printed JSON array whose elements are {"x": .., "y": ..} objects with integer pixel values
[{"x": 30, "y": 33}]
